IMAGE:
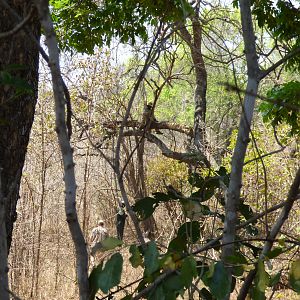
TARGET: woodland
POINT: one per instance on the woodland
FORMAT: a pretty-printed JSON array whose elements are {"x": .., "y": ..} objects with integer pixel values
[{"x": 185, "y": 111}]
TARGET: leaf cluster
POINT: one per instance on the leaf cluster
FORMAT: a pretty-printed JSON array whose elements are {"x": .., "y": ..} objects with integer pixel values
[
  {"x": 82, "y": 25},
  {"x": 279, "y": 113}
]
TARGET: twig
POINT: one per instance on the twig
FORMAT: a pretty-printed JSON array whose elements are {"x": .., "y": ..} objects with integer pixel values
[
  {"x": 292, "y": 197},
  {"x": 234, "y": 88},
  {"x": 279, "y": 63}
]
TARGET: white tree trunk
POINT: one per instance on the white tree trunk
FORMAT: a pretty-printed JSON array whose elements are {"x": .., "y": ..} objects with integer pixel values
[
  {"x": 66, "y": 150},
  {"x": 233, "y": 194}
]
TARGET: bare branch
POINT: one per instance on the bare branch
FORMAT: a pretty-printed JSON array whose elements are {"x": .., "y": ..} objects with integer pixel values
[
  {"x": 290, "y": 55},
  {"x": 293, "y": 195},
  {"x": 154, "y": 125},
  {"x": 231, "y": 87}
]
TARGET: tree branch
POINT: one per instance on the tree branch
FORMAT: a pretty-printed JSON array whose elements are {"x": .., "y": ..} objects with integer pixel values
[
  {"x": 113, "y": 126},
  {"x": 292, "y": 197},
  {"x": 187, "y": 157},
  {"x": 265, "y": 73}
]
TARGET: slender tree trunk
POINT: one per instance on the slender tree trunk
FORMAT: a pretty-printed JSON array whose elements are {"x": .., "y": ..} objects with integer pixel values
[
  {"x": 233, "y": 194},
  {"x": 66, "y": 150},
  {"x": 16, "y": 111},
  {"x": 42, "y": 201}
]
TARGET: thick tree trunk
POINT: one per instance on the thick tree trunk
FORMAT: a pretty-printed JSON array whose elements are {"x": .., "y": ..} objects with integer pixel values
[{"x": 16, "y": 111}]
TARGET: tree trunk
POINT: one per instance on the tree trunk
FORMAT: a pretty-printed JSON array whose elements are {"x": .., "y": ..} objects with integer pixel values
[
  {"x": 16, "y": 110},
  {"x": 195, "y": 42}
]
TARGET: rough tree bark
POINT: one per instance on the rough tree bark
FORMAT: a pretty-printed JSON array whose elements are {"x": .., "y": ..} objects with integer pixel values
[
  {"x": 16, "y": 111},
  {"x": 195, "y": 43}
]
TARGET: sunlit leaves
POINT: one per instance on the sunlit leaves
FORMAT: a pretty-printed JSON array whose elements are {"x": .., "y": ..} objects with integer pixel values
[
  {"x": 86, "y": 24},
  {"x": 294, "y": 275},
  {"x": 278, "y": 113}
]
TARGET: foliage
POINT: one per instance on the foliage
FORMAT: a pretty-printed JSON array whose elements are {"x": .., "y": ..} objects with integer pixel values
[
  {"x": 278, "y": 113},
  {"x": 82, "y": 25},
  {"x": 107, "y": 277},
  {"x": 295, "y": 275},
  {"x": 283, "y": 20}
]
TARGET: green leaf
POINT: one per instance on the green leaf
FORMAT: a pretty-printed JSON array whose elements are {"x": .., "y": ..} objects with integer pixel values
[
  {"x": 217, "y": 280},
  {"x": 274, "y": 279},
  {"x": 93, "y": 281},
  {"x": 145, "y": 207},
  {"x": 274, "y": 253},
  {"x": 237, "y": 260},
  {"x": 196, "y": 180},
  {"x": 246, "y": 210},
  {"x": 188, "y": 271},
  {"x": 157, "y": 293},
  {"x": 177, "y": 245},
  {"x": 261, "y": 281},
  {"x": 294, "y": 276},
  {"x": 189, "y": 231},
  {"x": 161, "y": 197},
  {"x": 108, "y": 277},
  {"x": 205, "y": 294},
  {"x": 173, "y": 283},
  {"x": 136, "y": 257},
  {"x": 111, "y": 243},
  {"x": 151, "y": 259},
  {"x": 252, "y": 230}
]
